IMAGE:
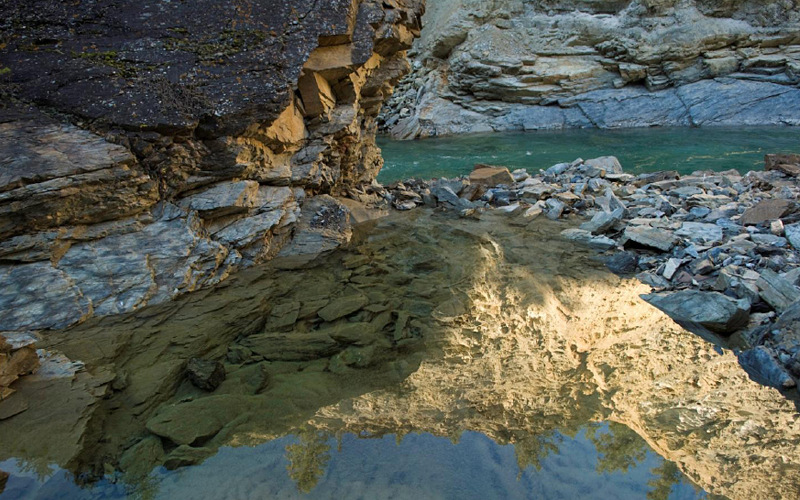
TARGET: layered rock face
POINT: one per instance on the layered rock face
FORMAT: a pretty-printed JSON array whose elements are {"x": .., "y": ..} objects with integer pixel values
[
  {"x": 519, "y": 64},
  {"x": 149, "y": 149}
]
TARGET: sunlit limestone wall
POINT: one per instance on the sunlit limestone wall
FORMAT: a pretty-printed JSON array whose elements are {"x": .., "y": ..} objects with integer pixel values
[
  {"x": 515, "y": 64},
  {"x": 174, "y": 143}
]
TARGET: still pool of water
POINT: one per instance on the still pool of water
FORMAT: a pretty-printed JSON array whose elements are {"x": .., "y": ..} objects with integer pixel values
[
  {"x": 639, "y": 150},
  {"x": 599, "y": 462},
  {"x": 456, "y": 359}
]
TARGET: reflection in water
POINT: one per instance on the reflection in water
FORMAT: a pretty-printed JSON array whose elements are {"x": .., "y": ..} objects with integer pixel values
[
  {"x": 436, "y": 358},
  {"x": 308, "y": 459},
  {"x": 322, "y": 466}
]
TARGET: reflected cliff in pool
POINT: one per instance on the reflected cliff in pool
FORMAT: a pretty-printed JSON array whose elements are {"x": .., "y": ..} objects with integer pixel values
[{"x": 437, "y": 357}]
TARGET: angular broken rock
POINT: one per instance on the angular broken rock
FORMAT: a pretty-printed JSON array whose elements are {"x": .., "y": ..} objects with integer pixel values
[
  {"x": 599, "y": 167},
  {"x": 342, "y": 307},
  {"x": 766, "y": 211},
  {"x": 555, "y": 209},
  {"x": 701, "y": 233},
  {"x": 660, "y": 239},
  {"x": 603, "y": 221},
  {"x": 488, "y": 176},
  {"x": 587, "y": 238},
  {"x": 788, "y": 164},
  {"x": 623, "y": 263},
  {"x": 776, "y": 291},
  {"x": 205, "y": 374},
  {"x": 711, "y": 310},
  {"x": 765, "y": 368},
  {"x": 792, "y": 232}
]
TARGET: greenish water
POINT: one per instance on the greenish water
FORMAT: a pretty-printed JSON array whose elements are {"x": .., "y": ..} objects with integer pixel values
[{"x": 639, "y": 150}]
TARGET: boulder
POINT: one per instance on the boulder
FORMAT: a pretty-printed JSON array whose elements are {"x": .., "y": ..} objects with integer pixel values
[
  {"x": 776, "y": 291},
  {"x": 788, "y": 164},
  {"x": 599, "y": 167},
  {"x": 622, "y": 263},
  {"x": 555, "y": 209},
  {"x": 603, "y": 221},
  {"x": 205, "y": 374},
  {"x": 767, "y": 211},
  {"x": 711, "y": 310},
  {"x": 792, "y": 232},
  {"x": 659, "y": 239},
  {"x": 489, "y": 176}
]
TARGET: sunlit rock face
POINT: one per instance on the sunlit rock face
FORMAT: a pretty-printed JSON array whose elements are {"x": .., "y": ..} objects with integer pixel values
[
  {"x": 531, "y": 65},
  {"x": 152, "y": 148},
  {"x": 428, "y": 323}
]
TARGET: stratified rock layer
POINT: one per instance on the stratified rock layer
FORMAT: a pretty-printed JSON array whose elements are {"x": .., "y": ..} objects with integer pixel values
[
  {"x": 180, "y": 142},
  {"x": 523, "y": 65}
]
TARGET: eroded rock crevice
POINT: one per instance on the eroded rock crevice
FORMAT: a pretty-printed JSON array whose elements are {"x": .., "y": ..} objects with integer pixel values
[{"x": 153, "y": 149}]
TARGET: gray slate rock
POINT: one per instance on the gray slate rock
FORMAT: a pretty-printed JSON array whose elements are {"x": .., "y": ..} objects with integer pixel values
[
  {"x": 765, "y": 368},
  {"x": 623, "y": 263},
  {"x": 711, "y": 310},
  {"x": 660, "y": 239},
  {"x": 587, "y": 238}
]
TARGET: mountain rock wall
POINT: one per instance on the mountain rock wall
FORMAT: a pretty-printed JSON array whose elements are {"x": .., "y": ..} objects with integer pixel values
[
  {"x": 527, "y": 65},
  {"x": 151, "y": 148}
]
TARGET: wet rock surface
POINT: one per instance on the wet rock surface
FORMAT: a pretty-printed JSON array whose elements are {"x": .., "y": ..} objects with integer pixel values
[
  {"x": 489, "y": 325},
  {"x": 170, "y": 144},
  {"x": 18, "y": 357},
  {"x": 508, "y": 65}
]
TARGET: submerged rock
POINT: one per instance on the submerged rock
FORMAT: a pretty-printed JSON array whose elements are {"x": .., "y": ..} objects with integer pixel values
[
  {"x": 711, "y": 310},
  {"x": 184, "y": 455},
  {"x": 196, "y": 421},
  {"x": 205, "y": 374}
]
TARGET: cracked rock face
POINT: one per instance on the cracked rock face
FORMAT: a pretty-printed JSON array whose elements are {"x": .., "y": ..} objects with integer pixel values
[
  {"x": 151, "y": 149},
  {"x": 524, "y": 65}
]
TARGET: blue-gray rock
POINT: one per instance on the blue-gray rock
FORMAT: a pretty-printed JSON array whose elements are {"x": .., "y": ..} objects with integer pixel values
[
  {"x": 765, "y": 368},
  {"x": 711, "y": 310}
]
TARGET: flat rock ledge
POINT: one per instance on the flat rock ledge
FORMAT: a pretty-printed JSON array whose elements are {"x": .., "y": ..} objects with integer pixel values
[{"x": 721, "y": 250}]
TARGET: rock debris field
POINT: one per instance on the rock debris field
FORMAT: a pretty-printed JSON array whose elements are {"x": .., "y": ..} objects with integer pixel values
[{"x": 719, "y": 249}]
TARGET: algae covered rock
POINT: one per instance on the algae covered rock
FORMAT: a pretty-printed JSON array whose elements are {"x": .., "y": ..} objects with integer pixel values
[
  {"x": 204, "y": 374},
  {"x": 198, "y": 420}
]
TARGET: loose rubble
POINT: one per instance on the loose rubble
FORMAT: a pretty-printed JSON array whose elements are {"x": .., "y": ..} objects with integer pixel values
[{"x": 719, "y": 249}]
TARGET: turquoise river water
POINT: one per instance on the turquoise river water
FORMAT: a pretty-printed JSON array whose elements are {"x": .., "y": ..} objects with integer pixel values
[{"x": 639, "y": 150}]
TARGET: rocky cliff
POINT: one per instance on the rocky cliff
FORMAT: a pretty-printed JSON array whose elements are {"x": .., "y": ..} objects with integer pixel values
[
  {"x": 150, "y": 148},
  {"x": 527, "y": 65}
]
